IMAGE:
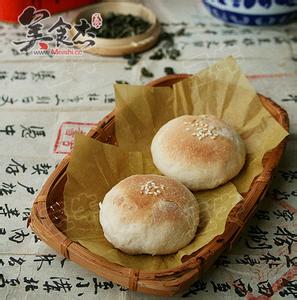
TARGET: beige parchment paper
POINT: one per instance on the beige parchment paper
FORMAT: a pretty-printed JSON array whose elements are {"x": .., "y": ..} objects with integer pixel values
[
  {"x": 95, "y": 167},
  {"x": 222, "y": 90}
]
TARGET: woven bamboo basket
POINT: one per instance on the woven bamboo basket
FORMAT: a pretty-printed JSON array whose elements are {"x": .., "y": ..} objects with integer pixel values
[{"x": 48, "y": 220}]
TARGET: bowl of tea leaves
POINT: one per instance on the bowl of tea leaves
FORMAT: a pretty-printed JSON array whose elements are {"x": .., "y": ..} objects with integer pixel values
[{"x": 124, "y": 28}]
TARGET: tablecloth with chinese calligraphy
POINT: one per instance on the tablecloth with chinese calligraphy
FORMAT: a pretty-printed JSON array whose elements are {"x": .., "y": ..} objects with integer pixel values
[{"x": 44, "y": 99}]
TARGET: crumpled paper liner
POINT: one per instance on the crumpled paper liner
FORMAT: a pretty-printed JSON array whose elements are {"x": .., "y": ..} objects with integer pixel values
[
  {"x": 221, "y": 90},
  {"x": 95, "y": 167}
]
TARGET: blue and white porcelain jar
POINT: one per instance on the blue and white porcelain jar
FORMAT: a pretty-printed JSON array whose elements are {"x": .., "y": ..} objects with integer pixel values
[{"x": 253, "y": 12}]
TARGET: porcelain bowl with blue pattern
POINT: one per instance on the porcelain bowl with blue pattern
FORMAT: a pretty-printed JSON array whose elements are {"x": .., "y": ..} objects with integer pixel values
[{"x": 253, "y": 12}]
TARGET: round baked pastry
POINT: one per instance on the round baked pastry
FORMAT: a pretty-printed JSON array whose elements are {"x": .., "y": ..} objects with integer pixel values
[
  {"x": 149, "y": 214},
  {"x": 201, "y": 151}
]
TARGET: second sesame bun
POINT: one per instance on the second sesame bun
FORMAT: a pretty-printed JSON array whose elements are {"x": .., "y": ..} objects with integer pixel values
[
  {"x": 201, "y": 151},
  {"x": 149, "y": 214}
]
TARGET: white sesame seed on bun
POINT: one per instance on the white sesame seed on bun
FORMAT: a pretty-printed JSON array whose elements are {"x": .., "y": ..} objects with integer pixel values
[
  {"x": 149, "y": 214},
  {"x": 200, "y": 151}
]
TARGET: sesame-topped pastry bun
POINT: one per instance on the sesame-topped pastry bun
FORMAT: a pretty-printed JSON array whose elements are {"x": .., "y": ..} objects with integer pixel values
[
  {"x": 201, "y": 151},
  {"x": 149, "y": 214}
]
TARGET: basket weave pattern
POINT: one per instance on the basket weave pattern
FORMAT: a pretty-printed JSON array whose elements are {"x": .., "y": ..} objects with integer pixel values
[{"x": 48, "y": 220}]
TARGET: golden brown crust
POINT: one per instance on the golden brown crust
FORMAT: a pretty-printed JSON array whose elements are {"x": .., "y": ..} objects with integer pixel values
[
  {"x": 138, "y": 205},
  {"x": 149, "y": 214},
  {"x": 198, "y": 151},
  {"x": 180, "y": 143},
  {"x": 201, "y": 151}
]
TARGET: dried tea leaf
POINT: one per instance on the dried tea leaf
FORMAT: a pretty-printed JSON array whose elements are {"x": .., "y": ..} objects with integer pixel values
[
  {"x": 169, "y": 70},
  {"x": 146, "y": 73},
  {"x": 116, "y": 26}
]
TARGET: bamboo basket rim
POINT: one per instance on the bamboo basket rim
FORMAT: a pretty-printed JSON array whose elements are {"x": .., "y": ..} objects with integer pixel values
[{"x": 167, "y": 281}]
